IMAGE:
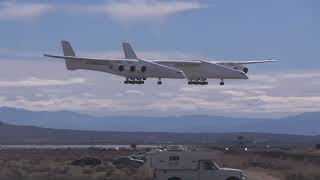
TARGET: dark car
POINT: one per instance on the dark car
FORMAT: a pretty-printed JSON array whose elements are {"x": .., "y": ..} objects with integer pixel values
[
  {"x": 87, "y": 161},
  {"x": 127, "y": 162}
]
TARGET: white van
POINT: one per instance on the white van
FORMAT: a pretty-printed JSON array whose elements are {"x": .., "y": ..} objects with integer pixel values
[{"x": 176, "y": 163}]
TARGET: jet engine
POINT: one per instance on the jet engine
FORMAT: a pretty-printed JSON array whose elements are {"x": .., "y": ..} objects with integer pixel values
[
  {"x": 132, "y": 68},
  {"x": 121, "y": 67},
  {"x": 143, "y": 68},
  {"x": 245, "y": 70}
]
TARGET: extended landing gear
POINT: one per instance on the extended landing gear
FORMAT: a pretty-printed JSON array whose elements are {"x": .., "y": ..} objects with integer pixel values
[
  {"x": 159, "y": 81},
  {"x": 198, "y": 82},
  {"x": 222, "y": 82},
  {"x": 134, "y": 81}
]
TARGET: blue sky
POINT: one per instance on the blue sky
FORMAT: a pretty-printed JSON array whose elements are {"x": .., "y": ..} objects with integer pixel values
[{"x": 285, "y": 30}]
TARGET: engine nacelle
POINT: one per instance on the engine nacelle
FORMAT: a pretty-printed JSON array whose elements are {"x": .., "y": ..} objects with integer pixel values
[
  {"x": 143, "y": 68},
  {"x": 121, "y": 68},
  {"x": 245, "y": 70},
  {"x": 132, "y": 68}
]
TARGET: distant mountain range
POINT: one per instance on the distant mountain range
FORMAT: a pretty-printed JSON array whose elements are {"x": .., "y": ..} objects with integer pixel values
[
  {"x": 303, "y": 124},
  {"x": 18, "y": 134}
]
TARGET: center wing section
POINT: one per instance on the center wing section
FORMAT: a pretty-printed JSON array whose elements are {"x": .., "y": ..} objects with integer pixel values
[
  {"x": 154, "y": 69},
  {"x": 161, "y": 71},
  {"x": 179, "y": 63}
]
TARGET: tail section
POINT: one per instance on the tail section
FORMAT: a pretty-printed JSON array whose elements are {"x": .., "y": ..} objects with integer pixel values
[
  {"x": 128, "y": 51},
  {"x": 68, "y": 51}
]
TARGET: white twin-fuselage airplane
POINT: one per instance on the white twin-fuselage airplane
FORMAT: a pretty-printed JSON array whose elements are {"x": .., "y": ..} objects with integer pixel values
[{"x": 137, "y": 70}]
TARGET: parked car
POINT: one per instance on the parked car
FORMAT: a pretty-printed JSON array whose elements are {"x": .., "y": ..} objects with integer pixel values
[
  {"x": 87, "y": 161},
  {"x": 127, "y": 162}
]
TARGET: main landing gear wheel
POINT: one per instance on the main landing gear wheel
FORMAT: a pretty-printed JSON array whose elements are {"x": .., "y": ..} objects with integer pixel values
[
  {"x": 133, "y": 81},
  {"x": 221, "y": 83},
  {"x": 159, "y": 81},
  {"x": 198, "y": 82}
]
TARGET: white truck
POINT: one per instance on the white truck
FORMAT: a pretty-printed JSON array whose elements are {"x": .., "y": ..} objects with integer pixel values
[{"x": 176, "y": 163}]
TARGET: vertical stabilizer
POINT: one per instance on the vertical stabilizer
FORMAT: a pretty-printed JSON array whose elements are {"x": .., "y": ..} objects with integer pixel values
[
  {"x": 68, "y": 51},
  {"x": 128, "y": 51}
]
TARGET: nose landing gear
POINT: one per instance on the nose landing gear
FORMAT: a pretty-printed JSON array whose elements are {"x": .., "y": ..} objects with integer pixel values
[{"x": 159, "y": 81}]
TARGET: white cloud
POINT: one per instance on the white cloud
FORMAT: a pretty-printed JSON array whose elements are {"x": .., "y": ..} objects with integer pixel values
[
  {"x": 134, "y": 92},
  {"x": 36, "y": 82},
  {"x": 140, "y": 10},
  {"x": 75, "y": 102},
  {"x": 176, "y": 98},
  {"x": 125, "y": 10},
  {"x": 105, "y": 94},
  {"x": 21, "y": 11},
  {"x": 301, "y": 75}
]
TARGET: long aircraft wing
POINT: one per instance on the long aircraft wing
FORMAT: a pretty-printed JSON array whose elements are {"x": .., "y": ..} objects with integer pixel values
[
  {"x": 178, "y": 63},
  {"x": 244, "y": 62},
  {"x": 227, "y": 71}
]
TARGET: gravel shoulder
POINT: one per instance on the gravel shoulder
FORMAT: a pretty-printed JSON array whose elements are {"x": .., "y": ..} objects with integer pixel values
[{"x": 259, "y": 174}]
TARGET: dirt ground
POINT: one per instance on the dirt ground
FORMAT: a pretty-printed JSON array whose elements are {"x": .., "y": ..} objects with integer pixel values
[
  {"x": 55, "y": 164},
  {"x": 275, "y": 165},
  {"x": 259, "y": 174}
]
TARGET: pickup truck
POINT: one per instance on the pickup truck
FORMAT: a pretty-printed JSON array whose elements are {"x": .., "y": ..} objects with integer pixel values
[{"x": 187, "y": 165}]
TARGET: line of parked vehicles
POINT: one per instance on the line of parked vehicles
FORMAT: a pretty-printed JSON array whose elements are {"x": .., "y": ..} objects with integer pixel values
[{"x": 178, "y": 163}]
